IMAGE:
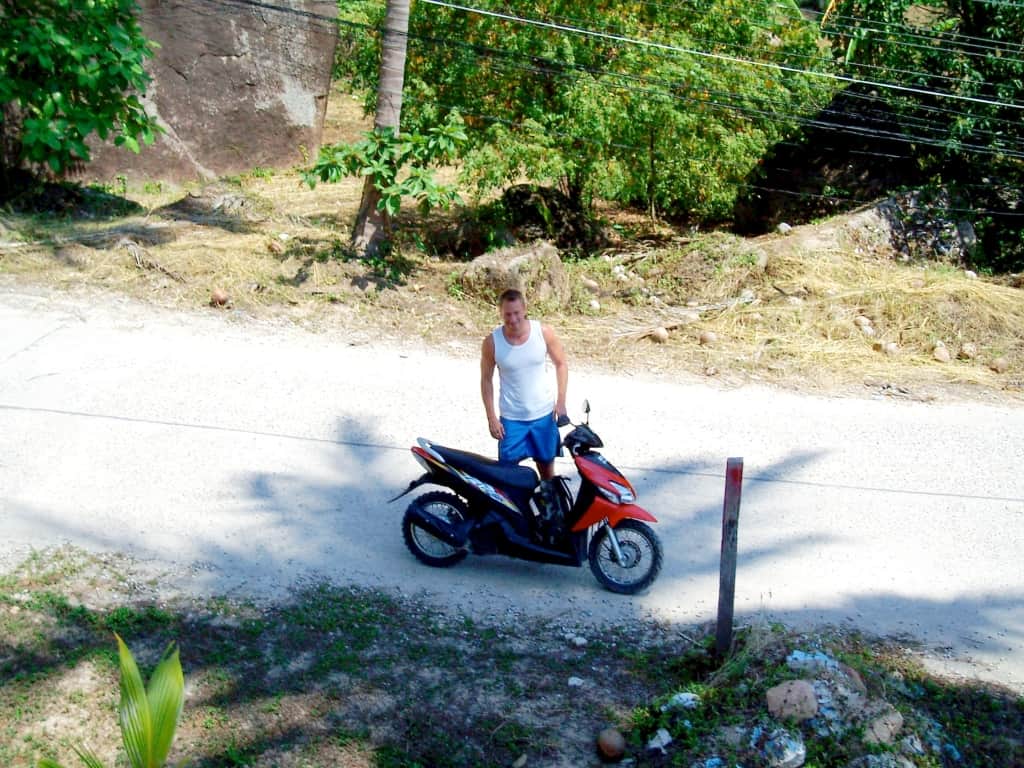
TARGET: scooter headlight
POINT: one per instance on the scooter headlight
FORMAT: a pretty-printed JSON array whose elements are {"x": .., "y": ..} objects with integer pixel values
[{"x": 617, "y": 494}]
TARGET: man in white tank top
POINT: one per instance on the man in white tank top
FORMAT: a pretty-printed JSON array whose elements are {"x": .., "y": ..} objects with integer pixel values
[{"x": 529, "y": 401}]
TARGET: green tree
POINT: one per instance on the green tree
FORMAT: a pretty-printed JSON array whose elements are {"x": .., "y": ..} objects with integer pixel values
[
  {"x": 964, "y": 118},
  {"x": 71, "y": 68},
  {"x": 663, "y": 105},
  {"x": 382, "y": 155},
  {"x": 373, "y": 221}
]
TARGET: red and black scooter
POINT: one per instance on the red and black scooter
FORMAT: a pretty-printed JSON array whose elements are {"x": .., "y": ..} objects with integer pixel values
[{"x": 506, "y": 509}]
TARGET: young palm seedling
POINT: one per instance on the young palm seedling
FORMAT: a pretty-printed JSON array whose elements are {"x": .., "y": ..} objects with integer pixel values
[{"x": 148, "y": 717}]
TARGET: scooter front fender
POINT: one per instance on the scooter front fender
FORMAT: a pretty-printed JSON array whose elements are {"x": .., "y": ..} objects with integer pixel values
[{"x": 601, "y": 509}]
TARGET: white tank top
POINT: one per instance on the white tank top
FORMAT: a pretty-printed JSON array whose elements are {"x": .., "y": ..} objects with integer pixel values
[{"x": 526, "y": 387}]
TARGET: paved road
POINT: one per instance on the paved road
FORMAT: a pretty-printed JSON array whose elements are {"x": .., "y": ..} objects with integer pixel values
[{"x": 248, "y": 455}]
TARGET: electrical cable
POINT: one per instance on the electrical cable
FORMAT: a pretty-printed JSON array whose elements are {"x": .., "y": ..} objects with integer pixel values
[
  {"x": 558, "y": 67},
  {"x": 931, "y": 48},
  {"x": 721, "y": 57}
]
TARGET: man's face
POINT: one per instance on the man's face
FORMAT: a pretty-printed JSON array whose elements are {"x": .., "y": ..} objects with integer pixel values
[{"x": 513, "y": 315}]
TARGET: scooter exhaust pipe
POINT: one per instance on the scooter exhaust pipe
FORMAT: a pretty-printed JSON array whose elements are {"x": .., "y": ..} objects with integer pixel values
[{"x": 450, "y": 534}]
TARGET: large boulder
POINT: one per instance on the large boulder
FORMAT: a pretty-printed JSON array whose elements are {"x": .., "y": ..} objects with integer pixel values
[
  {"x": 534, "y": 269},
  {"x": 236, "y": 86}
]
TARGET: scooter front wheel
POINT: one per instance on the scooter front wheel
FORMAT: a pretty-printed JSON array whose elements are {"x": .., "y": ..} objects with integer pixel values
[
  {"x": 641, "y": 557},
  {"x": 426, "y": 547}
]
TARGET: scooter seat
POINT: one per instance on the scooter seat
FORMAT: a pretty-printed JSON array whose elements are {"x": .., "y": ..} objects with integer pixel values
[{"x": 490, "y": 471}]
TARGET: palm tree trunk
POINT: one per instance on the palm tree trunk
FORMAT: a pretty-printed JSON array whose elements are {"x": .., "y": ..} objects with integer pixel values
[{"x": 373, "y": 226}]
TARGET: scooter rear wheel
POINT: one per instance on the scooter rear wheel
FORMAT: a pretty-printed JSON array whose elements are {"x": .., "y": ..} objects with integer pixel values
[
  {"x": 641, "y": 557},
  {"x": 426, "y": 547}
]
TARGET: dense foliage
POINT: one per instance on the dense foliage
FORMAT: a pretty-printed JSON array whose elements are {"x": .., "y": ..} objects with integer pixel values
[
  {"x": 71, "y": 68},
  {"x": 662, "y": 105},
  {"x": 614, "y": 99},
  {"x": 675, "y": 107},
  {"x": 963, "y": 120},
  {"x": 399, "y": 165}
]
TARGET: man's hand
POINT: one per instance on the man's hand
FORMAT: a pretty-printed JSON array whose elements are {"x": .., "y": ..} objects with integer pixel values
[{"x": 497, "y": 429}]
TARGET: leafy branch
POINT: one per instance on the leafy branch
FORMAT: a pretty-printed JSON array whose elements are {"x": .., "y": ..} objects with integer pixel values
[
  {"x": 383, "y": 154},
  {"x": 148, "y": 717}
]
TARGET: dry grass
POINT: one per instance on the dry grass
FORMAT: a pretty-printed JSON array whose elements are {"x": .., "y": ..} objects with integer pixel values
[
  {"x": 781, "y": 308},
  {"x": 790, "y": 309}
]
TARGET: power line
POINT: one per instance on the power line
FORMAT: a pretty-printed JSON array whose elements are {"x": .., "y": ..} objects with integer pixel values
[
  {"x": 561, "y": 68},
  {"x": 957, "y": 36},
  {"x": 904, "y": 30},
  {"x": 737, "y": 184},
  {"x": 718, "y": 56},
  {"x": 774, "y": 115},
  {"x": 929, "y": 47}
]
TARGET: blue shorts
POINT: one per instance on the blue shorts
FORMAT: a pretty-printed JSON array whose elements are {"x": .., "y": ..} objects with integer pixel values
[{"x": 538, "y": 440}]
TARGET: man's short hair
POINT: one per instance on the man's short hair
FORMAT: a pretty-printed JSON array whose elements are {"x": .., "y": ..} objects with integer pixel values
[{"x": 511, "y": 294}]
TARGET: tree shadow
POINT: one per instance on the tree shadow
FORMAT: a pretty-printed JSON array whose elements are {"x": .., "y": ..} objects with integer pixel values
[
  {"x": 331, "y": 527},
  {"x": 218, "y": 205}
]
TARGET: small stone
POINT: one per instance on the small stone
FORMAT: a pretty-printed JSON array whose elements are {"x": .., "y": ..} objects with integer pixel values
[
  {"x": 784, "y": 750},
  {"x": 660, "y": 741},
  {"x": 783, "y": 228},
  {"x": 711, "y": 371},
  {"x": 968, "y": 351},
  {"x": 577, "y": 642},
  {"x": 590, "y": 285},
  {"x": 970, "y": 274},
  {"x": 707, "y": 338},
  {"x": 732, "y": 735},
  {"x": 814, "y": 660},
  {"x": 885, "y": 728},
  {"x": 611, "y": 745},
  {"x": 218, "y": 297},
  {"x": 575, "y": 682},
  {"x": 940, "y": 353},
  {"x": 682, "y": 701},
  {"x": 594, "y": 304},
  {"x": 659, "y": 335},
  {"x": 1000, "y": 365},
  {"x": 520, "y": 762},
  {"x": 855, "y": 679},
  {"x": 275, "y": 247},
  {"x": 867, "y": 330},
  {"x": 792, "y": 700},
  {"x": 862, "y": 320},
  {"x": 911, "y": 745},
  {"x": 886, "y": 760}
]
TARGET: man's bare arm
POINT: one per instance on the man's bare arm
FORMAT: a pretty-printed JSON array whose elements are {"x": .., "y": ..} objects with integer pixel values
[
  {"x": 557, "y": 354},
  {"x": 487, "y": 366}
]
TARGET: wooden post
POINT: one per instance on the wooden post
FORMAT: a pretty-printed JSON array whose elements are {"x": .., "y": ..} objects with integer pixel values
[{"x": 727, "y": 566}]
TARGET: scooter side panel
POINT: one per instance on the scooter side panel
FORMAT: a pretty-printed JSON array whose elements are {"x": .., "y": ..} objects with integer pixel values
[
  {"x": 601, "y": 509},
  {"x": 464, "y": 483}
]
